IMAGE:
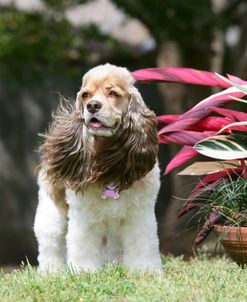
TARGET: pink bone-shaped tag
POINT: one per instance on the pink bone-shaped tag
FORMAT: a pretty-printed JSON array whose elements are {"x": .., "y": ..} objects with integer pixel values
[{"x": 110, "y": 191}]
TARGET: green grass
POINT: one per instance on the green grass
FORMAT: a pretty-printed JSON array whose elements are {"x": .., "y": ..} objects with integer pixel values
[{"x": 201, "y": 279}]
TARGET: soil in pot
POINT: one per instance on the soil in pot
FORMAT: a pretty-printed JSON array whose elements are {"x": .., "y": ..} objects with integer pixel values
[{"x": 234, "y": 241}]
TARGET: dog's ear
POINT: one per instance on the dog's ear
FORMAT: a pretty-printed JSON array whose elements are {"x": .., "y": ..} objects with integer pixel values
[
  {"x": 63, "y": 152},
  {"x": 132, "y": 152},
  {"x": 141, "y": 147}
]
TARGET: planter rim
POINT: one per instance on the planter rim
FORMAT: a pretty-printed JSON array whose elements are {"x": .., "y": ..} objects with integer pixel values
[
  {"x": 219, "y": 228},
  {"x": 234, "y": 240}
]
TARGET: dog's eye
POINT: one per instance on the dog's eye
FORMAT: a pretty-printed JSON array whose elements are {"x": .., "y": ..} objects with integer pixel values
[
  {"x": 114, "y": 94},
  {"x": 85, "y": 95}
]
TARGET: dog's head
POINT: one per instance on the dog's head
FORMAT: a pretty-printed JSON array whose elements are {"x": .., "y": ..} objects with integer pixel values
[
  {"x": 105, "y": 96},
  {"x": 109, "y": 135}
]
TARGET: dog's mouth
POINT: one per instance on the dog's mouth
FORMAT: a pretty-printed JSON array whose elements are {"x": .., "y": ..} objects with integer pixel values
[{"x": 97, "y": 124}]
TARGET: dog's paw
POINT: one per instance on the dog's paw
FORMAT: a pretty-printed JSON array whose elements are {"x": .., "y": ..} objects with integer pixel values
[
  {"x": 149, "y": 270},
  {"x": 89, "y": 268},
  {"x": 51, "y": 267}
]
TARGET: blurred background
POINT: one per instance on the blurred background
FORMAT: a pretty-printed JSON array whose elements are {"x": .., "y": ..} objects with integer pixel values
[{"x": 47, "y": 45}]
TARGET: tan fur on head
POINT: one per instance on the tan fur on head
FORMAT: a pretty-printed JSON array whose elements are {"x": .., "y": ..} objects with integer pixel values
[
  {"x": 109, "y": 86},
  {"x": 113, "y": 142}
]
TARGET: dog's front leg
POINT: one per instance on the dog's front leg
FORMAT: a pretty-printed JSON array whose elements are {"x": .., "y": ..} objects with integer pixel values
[
  {"x": 83, "y": 238},
  {"x": 50, "y": 228},
  {"x": 140, "y": 240}
]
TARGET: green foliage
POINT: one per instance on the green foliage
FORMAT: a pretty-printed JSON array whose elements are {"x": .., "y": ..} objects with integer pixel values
[
  {"x": 186, "y": 22},
  {"x": 59, "y": 6},
  {"x": 48, "y": 38},
  {"x": 200, "y": 279},
  {"x": 62, "y": 4},
  {"x": 28, "y": 38},
  {"x": 228, "y": 199}
]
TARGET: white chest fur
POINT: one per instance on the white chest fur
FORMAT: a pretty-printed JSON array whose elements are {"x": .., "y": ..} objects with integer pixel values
[{"x": 99, "y": 230}]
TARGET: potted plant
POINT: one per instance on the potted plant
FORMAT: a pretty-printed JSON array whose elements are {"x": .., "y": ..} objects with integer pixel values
[
  {"x": 220, "y": 198},
  {"x": 223, "y": 201}
]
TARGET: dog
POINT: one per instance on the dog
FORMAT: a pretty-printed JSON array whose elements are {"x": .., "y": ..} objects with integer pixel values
[{"x": 99, "y": 178}]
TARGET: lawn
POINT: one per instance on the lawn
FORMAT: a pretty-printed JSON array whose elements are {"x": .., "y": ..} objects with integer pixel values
[{"x": 201, "y": 279}]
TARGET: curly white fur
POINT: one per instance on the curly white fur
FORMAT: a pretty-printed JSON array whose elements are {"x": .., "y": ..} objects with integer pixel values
[{"x": 119, "y": 231}]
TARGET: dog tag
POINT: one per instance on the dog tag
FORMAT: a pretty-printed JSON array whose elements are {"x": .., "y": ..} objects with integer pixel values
[{"x": 110, "y": 191}]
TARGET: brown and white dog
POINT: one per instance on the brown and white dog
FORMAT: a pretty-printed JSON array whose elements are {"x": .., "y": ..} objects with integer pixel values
[{"x": 99, "y": 178}]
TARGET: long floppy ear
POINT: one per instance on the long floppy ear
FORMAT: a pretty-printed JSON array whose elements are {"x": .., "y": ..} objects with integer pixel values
[
  {"x": 142, "y": 145},
  {"x": 64, "y": 156},
  {"x": 132, "y": 153}
]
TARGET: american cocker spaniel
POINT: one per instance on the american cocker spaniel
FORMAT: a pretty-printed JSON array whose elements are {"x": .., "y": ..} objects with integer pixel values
[{"x": 99, "y": 178}]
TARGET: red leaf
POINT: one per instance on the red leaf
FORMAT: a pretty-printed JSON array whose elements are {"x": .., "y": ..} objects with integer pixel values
[
  {"x": 236, "y": 116},
  {"x": 236, "y": 79},
  {"x": 211, "y": 123},
  {"x": 184, "y": 155},
  {"x": 184, "y": 137},
  {"x": 201, "y": 110},
  {"x": 163, "y": 120},
  {"x": 207, "y": 227},
  {"x": 167, "y": 118},
  {"x": 205, "y": 188},
  {"x": 188, "y": 207},
  {"x": 210, "y": 178},
  {"x": 179, "y": 75},
  {"x": 229, "y": 129},
  {"x": 183, "y": 122}
]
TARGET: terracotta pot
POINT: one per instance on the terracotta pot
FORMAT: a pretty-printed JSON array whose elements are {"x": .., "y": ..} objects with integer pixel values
[{"x": 234, "y": 240}]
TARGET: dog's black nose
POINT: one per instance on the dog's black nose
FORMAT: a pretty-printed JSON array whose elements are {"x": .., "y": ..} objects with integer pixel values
[{"x": 93, "y": 106}]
